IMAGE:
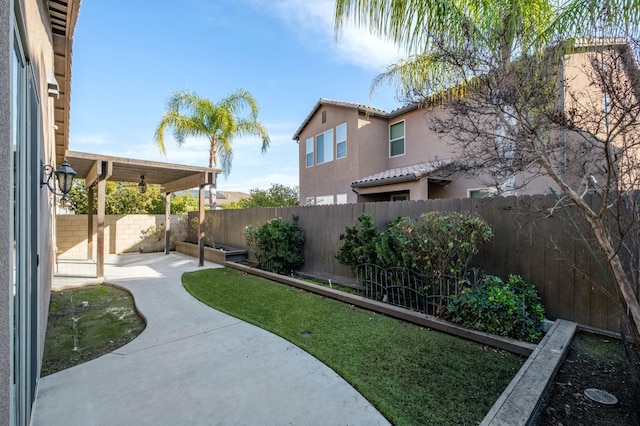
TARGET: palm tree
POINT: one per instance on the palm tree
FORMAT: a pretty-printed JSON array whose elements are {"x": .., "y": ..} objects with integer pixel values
[
  {"x": 191, "y": 115},
  {"x": 487, "y": 34}
]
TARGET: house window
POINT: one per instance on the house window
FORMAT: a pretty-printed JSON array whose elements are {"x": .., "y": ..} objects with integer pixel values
[
  {"x": 324, "y": 147},
  {"x": 341, "y": 141},
  {"x": 481, "y": 192},
  {"x": 324, "y": 200},
  {"x": 309, "y": 151},
  {"x": 324, "y": 116},
  {"x": 400, "y": 197},
  {"x": 396, "y": 139},
  {"x": 341, "y": 198},
  {"x": 310, "y": 201},
  {"x": 607, "y": 110}
]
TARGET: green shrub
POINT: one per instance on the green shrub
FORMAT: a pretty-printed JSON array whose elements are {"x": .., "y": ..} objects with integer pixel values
[
  {"x": 510, "y": 309},
  {"x": 277, "y": 245},
  {"x": 434, "y": 244},
  {"x": 360, "y": 243}
]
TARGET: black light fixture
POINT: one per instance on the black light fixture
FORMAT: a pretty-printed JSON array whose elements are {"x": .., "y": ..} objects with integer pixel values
[
  {"x": 64, "y": 175},
  {"x": 142, "y": 185}
]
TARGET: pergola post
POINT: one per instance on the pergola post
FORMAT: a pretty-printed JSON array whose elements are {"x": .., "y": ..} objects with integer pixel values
[
  {"x": 101, "y": 207},
  {"x": 96, "y": 169},
  {"x": 90, "y": 223},
  {"x": 167, "y": 223},
  {"x": 201, "y": 226}
]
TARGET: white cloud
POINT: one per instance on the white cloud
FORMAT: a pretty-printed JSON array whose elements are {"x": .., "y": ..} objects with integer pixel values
[{"x": 314, "y": 19}]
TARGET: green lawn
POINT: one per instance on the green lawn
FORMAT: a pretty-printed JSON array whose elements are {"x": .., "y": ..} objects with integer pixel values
[{"x": 411, "y": 374}]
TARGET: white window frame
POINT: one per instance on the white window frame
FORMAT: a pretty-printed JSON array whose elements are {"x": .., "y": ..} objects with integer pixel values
[
  {"x": 326, "y": 143},
  {"x": 310, "y": 201},
  {"x": 324, "y": 200},
  {"x": 309, "y": 145},
  {"x": 342, "y": 141},
  {"x": 404, "y": 138},
  {"x": 488, "y": 190},
  {"x": 341, "y": 199}
]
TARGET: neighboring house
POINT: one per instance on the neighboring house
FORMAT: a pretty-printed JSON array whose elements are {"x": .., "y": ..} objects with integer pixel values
[
  {"x": 35, "y": 47},
  {"x": 228, "y": 197},
  {"x": 353, "y": 153},
  {"x": 222, "y": 197}
]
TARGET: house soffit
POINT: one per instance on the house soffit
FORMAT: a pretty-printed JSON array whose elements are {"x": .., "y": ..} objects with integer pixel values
[{"x": 63, "y": 15}]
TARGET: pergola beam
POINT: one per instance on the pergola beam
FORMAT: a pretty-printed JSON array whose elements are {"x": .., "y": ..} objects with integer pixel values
[
  {"x": 193, "y": 181},
  {"x": 94, "y": 174}
]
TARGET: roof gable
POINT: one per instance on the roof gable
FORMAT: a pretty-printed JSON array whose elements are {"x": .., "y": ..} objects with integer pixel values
[{"x": 341, "y": 104}]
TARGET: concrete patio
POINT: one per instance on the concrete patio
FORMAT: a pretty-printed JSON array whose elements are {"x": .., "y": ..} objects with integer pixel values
[{"x": 193, "y": 365}]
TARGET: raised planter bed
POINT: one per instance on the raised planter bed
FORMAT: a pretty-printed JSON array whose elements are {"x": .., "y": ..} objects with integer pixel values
[{"x": 220, "y": 254}]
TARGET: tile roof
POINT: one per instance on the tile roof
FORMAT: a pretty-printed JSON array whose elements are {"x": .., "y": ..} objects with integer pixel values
[{"x": 403, "y": 174}]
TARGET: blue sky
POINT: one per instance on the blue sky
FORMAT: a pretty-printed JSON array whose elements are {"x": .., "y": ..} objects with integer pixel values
[{"x": 128, "y": 56}]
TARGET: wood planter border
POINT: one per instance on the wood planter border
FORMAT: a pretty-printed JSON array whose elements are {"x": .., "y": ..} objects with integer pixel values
[{"x": 212, "y": 254}]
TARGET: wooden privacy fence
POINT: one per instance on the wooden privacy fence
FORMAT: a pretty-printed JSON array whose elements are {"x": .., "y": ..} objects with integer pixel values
[{"x": 544, "y": 249}]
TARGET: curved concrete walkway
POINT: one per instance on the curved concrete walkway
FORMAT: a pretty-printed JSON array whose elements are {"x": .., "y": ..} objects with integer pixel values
[{"x": 193, "y": 365}]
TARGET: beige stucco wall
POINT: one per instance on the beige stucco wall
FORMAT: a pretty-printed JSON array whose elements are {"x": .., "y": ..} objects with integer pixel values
[
  {"x": 335, "y": 176},
  {"x": 123, "y": 233}
]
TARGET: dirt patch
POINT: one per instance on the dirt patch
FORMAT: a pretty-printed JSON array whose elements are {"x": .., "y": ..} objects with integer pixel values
[
  {"x": 88, "y": 322},
  {"x": 597, "y": 362}
]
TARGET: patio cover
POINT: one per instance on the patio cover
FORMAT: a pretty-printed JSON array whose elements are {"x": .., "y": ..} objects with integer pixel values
[{"x": 96, "y": 169}]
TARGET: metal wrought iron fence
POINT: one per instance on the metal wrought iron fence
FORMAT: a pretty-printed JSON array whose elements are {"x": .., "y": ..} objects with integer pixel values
[{"x": 407, "y": 288}]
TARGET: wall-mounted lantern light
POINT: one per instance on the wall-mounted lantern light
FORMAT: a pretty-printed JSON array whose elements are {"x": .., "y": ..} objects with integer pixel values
[
  {"x": 64, "y": 175},
  {"x": 142, "y": 185}
]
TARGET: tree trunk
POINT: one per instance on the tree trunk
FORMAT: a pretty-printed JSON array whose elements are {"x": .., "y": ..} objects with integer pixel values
[
  {"x": 213, "y": 153},
  {"x": 213, "y": 160},
  {"x": 624, "y": 284},
  {"x": 602, "y": 236}
]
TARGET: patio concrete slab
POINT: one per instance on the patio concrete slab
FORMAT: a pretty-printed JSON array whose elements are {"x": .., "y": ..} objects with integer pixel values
[{"x": 193, "y": 365}]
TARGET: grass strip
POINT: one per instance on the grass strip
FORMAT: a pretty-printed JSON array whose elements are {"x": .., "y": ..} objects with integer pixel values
[
  {"x": 411, "y": 374},
  {"x": 105, "y": 319}
]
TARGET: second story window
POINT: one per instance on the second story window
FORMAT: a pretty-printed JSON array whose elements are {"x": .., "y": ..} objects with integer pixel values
[
  {"x": 324, "y": 147},
  {"x": 309, "y": 151},
  {"x": 396, "y": 139},
  {"x": 341, "y": 141}
]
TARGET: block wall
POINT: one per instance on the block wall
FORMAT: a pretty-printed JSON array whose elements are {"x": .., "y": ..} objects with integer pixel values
[{"x": 122, "y": 234}]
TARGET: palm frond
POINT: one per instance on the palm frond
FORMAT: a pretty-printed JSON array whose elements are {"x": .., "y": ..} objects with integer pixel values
[
  {"x": 420, "y": 76},
  {"x": 225, "y": 155},
  {"x": 191, "y": 115},
  {"x": 238, "y": 100},
  {"x": 248, "y": 127}
]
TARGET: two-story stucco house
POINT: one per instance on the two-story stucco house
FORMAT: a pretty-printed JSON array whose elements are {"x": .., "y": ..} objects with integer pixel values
[{"x": 353, "y": 153}]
